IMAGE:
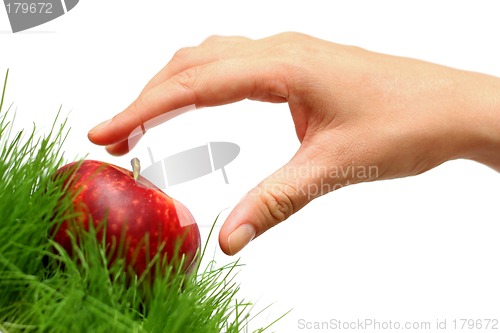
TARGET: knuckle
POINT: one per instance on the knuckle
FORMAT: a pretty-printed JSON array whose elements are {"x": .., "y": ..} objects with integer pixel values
[
  {"x": 138, "y": 106},
  {"x": 292, "y": 38},
  {"x": 182, "y": 54},
  {"x": 212, "y": 39},
  {"x": 277, "y": 203},
  {"x": 292, "y": 48},
  {"x": 218, "y": 40},
  {"x": 290, "y": 35},
  {"x": 135, "y": 112},
  {"x": 187, "y": 78}
]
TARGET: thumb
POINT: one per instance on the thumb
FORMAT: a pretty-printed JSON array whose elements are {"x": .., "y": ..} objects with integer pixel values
[{"x": 273, "y": 201}]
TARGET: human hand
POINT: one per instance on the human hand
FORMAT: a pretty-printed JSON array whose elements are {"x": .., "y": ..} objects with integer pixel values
[{"x": 359, "y": 115}]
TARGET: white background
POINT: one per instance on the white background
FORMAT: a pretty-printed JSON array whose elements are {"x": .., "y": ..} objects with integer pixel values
[{"x": 415, "y": 249}]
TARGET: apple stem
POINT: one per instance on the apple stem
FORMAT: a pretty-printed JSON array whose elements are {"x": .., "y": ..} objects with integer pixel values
[{"x": 136, "y": 167}]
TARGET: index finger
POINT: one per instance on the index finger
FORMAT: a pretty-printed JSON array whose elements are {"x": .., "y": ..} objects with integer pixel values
[{"x": 221, "y": 82}]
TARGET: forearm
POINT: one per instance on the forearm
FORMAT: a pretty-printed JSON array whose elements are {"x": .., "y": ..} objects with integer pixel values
[{"x": 482, "y": 119}]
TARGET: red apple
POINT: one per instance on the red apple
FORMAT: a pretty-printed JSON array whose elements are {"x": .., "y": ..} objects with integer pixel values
[{"x": 132, "y": 207}]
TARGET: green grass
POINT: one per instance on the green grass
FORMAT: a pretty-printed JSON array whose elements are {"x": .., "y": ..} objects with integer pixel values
[{"x": 44, "y": 289}]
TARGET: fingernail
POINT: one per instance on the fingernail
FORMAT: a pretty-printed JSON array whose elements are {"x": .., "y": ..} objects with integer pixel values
[
  {"x": 240, "y": 237},
  {"x": 100, "y": 126}
]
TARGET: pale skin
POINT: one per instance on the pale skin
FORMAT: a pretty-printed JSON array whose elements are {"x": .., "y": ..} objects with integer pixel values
[{"x": 351, "y": 107}]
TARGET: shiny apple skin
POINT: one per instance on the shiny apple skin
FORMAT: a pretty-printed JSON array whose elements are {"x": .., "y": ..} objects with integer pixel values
[{"x": 105, "y": 192}]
